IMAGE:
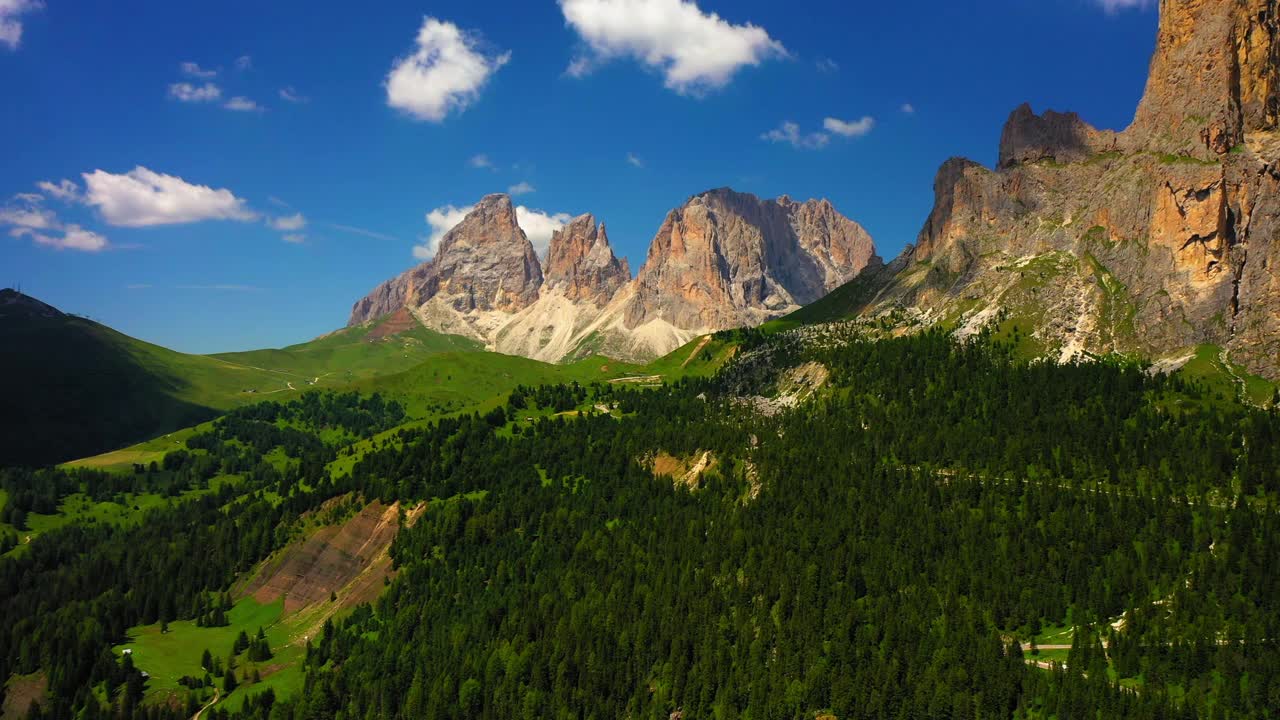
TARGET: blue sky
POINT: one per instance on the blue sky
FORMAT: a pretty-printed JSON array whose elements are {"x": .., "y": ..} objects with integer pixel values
[{"x": 242, "y": 172}]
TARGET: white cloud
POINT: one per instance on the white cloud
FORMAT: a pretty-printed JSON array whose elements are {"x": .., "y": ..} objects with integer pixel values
[
  {"x": 442, "y": 220},
  {"x": 31, "y": 220},
  {"x": 10, "y": 24},
  {"x": 289, "y": 94},
  {"x": 443, "y": 74},
  {"x": 827, "y": 65},
  {"x": 194, "y": 70},
  {"x": 521, "y": 188},
  {"x": 186, "y": 92},
  {"x": 28, "y": 214},
  {"x": 295, "y": 238},
  {"x": 288, "y": 223},
  {"x": 1114, "y": 6},
  {"x": 536, "y": 224},
  {"x": 244, "y": 62},
  {"x": 277, "y": 201},
  {"x": 65, "y": 190},
  {"x": 242, "y": 104},
  {"x": 480, "y": 161},
  {"x": 634, "y": 160},
  {"x": 695, "y": 51},
  {"x": 142, "y": 198},
  {"x": 73, "y": 237},
  {"x": 856, "y": 128},
  {"x": 908, "y": 108},
  {"x": 789, "y": 132}
]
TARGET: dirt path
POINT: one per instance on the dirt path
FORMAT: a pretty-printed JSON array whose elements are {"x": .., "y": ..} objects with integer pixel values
[
  {"x": 217, "y": 694},
  {"x": 701, "y": 344}
]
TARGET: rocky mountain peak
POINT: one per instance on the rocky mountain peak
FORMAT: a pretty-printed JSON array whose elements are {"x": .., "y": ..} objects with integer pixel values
[
  {"x": 581, "y": 263},
  {"x": 484, "y": 263},
  {"x": 727, "y": 259},
  {"x": 1060, "y": 137},
  {"x": 1214, "y": 77}
]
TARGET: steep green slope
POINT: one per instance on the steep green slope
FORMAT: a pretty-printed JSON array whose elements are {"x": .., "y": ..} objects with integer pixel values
[
  {"x": 73, "y": 387},
  {"x": 383, "y": 347}
]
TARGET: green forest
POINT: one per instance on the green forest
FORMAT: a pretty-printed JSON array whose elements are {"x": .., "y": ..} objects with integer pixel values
[{"x": 938, "y": 529}]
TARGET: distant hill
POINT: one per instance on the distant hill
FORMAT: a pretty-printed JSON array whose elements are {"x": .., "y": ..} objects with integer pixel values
[{"x": 73, "y": 387}]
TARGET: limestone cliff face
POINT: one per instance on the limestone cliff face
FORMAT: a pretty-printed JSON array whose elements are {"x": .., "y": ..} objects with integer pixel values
[
  {"x": 1152, "y": 240},
  {"x": 726, "y": 259},
  {"x": 581, "y": 263},
  {"x": 723, "y": 260},
  {"x": 485, "y": 263}
]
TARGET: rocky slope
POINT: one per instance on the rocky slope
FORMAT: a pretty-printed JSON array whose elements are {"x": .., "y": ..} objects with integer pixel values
[
  {"x": 728, "y": 259},
  {"x": 722, "y": 260},
  {"x": 1150, "y": 240}
]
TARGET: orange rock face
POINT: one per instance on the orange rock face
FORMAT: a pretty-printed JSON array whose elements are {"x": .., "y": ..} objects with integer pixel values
[
  {"x": 1155, "y": 239},
  {"x": 581, "y": 263},
  {"x": 728, "y": 259}
]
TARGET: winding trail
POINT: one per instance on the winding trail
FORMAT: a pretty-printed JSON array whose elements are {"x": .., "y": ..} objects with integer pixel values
[{"x": 217, "y": 695}]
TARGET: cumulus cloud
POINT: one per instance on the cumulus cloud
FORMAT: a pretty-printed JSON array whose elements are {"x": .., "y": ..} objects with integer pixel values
[
  {"x": 29, "y": 219},
  {"x": 443, "y": 74},
  {"x": 25, "y": 212},
  {"x": 1114, "y": 6},
  {"x": 242, "y": 104},
  {"x": 11, "y": 12},
  {"x": 64, "y": 190},
  {"x": 908, "y": 108},
  {"x": 289, "y": 94},
  {"x": 142, "y": 198},
  {"x": 288, "y": 223},
  {"x": 441, "y": 220},
  {"x": 186, "y": 92},
  {"x": 855, "y": 128},
  {"x": 521, "y": 188},
  {"x": 294, "y": 238},
  {"x": 194, "y": 70},
  {"x": 480, "y": 161},
  {"x": 71, "y": 237},
  {"x": 634, "y": 160},
  {"x": 827, "y": 65},
  {"x": 695, "y": 51},
  {"x": 537, "y": 225},
  {"x": 244, "y": 62},
  {"x": 789, "y": 132}
]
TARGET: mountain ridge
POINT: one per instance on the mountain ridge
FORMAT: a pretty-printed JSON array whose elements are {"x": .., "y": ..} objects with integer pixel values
[
  {"x": 1154, "y": 239},
  {"x": 721, "y": 260}
]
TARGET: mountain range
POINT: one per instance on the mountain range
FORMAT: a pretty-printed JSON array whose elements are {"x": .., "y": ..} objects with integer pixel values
[
  {"x": 1148, "y": 241},
  {"x": 722, "y": 260}
]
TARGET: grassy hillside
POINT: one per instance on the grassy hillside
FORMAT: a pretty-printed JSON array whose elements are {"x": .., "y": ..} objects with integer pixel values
[
  {"x": 75, "y": 388},
  {"x": 382, "y": 348}
]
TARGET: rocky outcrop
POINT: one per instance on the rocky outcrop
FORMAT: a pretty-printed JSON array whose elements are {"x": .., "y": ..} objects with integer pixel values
[
  {"x": 1212, "y": 79},
  {"x": 581, "y": 264},
  {"x": 1059, "y": 137},
  {"x": 722, "y": 260},
  {"x": 485, "y": 263},
  {"x": 1152, "y": 240},
  {"x": 726, "y": 259}
]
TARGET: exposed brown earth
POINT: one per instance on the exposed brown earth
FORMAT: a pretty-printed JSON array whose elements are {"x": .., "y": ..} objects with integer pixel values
[
  {"x": 397, "y": 322},
  {"x": 20, "y": 691},
  {"x": 350, "y": 559}
]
